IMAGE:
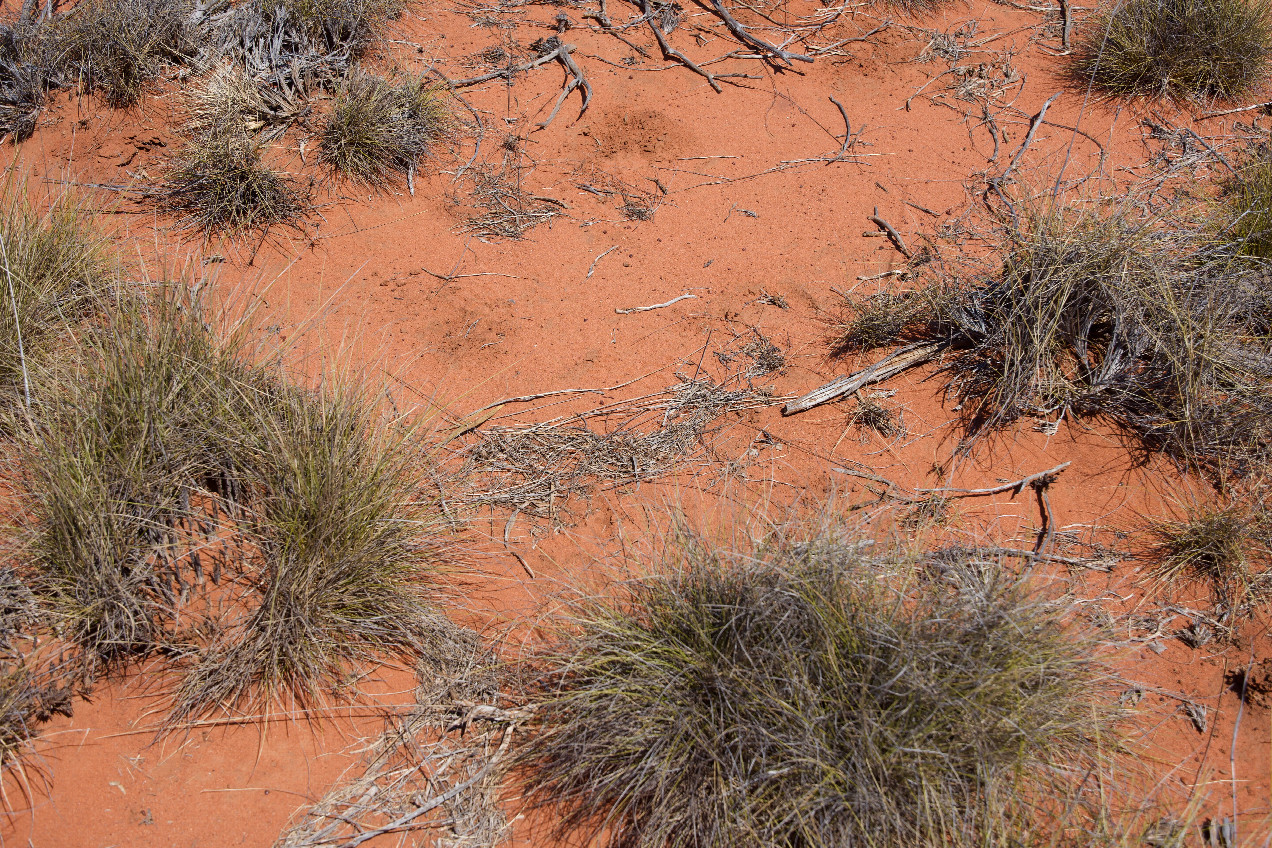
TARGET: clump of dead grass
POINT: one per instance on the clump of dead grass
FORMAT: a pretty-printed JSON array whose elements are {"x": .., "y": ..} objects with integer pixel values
[
  {"x": 377, "y": 127},
  {"x": 1108, "y": 315},
  {"x": 806, "y": 693},
  {"x": 1196, "y": 48}
]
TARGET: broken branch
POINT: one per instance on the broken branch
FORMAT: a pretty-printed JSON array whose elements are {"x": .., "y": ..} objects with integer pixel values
[{"x": 891, "y": 365}]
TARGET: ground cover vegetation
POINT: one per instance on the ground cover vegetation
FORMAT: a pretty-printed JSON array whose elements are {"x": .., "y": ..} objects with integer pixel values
[
  {"x": 179, "y": 497},
  {"x": 1099, "y": 314},
  {"x": 1208, "y": 49},
  {"x": 813, "y": 691}
]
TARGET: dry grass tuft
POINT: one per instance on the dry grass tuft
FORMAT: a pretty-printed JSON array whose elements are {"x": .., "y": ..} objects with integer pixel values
[
  {"x": 377, "y": 128},
  {"x": 336, "y": 521},
  {"x": 220, "y": 183},
  {"x": 804, "y": 693},
  {"x": 119, "y": 46},
  {"x": 1196, "y": 48},
  {"x": 1110, "y": 316},
  {"x": 1220, "y": 545},
  {"x": 54, "y": 270},
  {"x": 1246, "y": 207}
]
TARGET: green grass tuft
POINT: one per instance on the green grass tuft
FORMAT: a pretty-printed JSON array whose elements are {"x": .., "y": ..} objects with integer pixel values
[
  {"x": 1195, "y": 48},
  {"x": 219, "y": 183},
  {"x": 377, "y": 128},
  {"x": 52, "y": 272},
  {"x": 806, "y": 694},
  {"x": 119, "y": 46}
]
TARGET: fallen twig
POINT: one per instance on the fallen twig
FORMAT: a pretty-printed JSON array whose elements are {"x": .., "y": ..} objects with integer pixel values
[
  {"x": 655, "y": 306},
  {"x": 592, "y": 270},
  {"x": 893, "y": 235}
]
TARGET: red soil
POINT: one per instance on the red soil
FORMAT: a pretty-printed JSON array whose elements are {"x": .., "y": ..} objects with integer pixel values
[{"x": 516, "y": 317}]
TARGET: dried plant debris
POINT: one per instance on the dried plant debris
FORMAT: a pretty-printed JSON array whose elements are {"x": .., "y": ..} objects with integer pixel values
[
  {"x": 766, "y": 357},
  {"x": 511, "y": 211},
  {"x": 436, "y": 770},
  {"x": 537, "y": 468}
]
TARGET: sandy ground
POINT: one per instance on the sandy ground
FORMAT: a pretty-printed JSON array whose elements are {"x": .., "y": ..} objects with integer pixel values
[{"x": 746, "y": 204}]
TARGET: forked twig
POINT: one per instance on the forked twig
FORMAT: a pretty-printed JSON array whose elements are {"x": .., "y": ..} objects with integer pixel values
[{"x": 671, "y": 53}]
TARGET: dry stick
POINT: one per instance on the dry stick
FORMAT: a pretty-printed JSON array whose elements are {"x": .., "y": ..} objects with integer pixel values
[
  {"x": 670, "y": 52},
  {"x": 508, "y": 543},
  {"x": 925, "y": 85},
  {"x": 899, "y": 360},
  {"x": 1034, "y": 123},
  {"x": 576, "y": 80},
  {"x": 922, "y": 209},
  {"x": 1235, "y": 111},
  {"x": 655, "y": 306},
  {"x": 400, "y": 823},
  {"x": 751, "y": 41},
  {"x": 1068, "y": 24},
  {"x": 843, "y": 150},
  {"x": 592, "y": 270},
  {"x": 893, "y": 235}
]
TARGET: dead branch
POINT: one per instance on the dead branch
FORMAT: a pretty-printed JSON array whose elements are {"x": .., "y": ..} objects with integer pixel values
[
  {"x": 1042, "y": 478},
  {"x": 902, "y": 359},
  {"x": 1067, "y": 18},
  {"x": 670, "y": 53},
  {"x": 893, "y": 235},
  {"x": 1034, "y": 123},
  {"x": 749, "y": 40}
]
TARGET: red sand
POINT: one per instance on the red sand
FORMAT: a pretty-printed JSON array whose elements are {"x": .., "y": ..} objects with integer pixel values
[{"x": 521, "y": 317}]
